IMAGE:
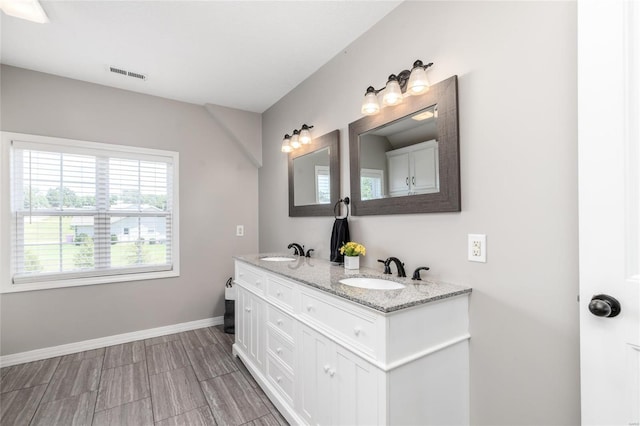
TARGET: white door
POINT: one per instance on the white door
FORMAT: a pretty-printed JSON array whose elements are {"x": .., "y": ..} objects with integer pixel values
[{"x": 609, "y": 190}]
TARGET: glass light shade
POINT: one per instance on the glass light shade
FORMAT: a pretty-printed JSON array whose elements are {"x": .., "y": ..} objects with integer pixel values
[
  {"x": 392, "y": 94},
  {"x": 418, "y": 82},
  {"x": 305, "y": 136},
  {"x": 295, "y": 140},
  {"x": 370, "y": 104},
  {"x": 286, "y": 146}
]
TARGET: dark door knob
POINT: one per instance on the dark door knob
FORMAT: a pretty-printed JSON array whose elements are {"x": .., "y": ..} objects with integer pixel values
[{"x": 605, "y": 306}]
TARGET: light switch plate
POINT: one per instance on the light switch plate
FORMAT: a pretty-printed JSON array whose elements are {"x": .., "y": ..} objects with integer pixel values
[
  {"x": 477, "y": 248},
  {"x": 240, "y": 231}
]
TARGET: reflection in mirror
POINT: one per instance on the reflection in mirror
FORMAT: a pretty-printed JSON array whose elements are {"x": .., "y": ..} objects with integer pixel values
[
  {"x": 400, "y": 158},
  {"x": 406, "y": 158},
  {"x": 314, "y": 177},
  {"x": 311, "y": 178}
]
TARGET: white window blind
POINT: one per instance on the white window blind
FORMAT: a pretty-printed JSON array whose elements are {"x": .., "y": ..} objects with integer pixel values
[
  {"x": 323, "y": 185},
  {"x": 84, "y": 210}
]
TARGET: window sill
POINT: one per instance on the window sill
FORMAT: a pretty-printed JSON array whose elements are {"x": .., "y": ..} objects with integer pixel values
[{"x": 78, "y": 282}]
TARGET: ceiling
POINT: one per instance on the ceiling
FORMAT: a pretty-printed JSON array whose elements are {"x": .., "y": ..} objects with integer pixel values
[{"x": 239, "y": 54}]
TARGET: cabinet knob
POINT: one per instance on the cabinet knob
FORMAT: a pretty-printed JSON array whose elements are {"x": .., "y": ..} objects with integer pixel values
[
  {"x": 257, "y": 282},
  {"x": 279, "y": 379},
  {"x": 278, "y": 293},
  {"x": 332, "y": 372},
  {"x": 247, "y": 309},
  {"x": 279, "y": 321},
  {"x": 326, "y": 368},
  {"x": 309, "y": 308},
  {"x": 357, "y": 331},
  {"x": 278, "y": 351}
]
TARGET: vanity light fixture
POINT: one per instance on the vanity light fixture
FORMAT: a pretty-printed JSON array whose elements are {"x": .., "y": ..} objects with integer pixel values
[
  {"x": 297, "y": 139},
  {"x": 406, "y": 83}
]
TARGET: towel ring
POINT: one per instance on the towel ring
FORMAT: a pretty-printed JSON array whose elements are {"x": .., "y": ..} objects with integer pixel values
[{"x": 344, "y": 200}]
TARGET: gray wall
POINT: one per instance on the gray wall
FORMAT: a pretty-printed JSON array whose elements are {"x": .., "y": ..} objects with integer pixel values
[
  {"x": 210, "y": 208},
  {"x": 516, "y": 63}
]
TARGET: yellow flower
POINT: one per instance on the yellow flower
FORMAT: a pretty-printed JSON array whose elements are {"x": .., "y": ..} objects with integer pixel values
[{"x": 353, "y": 249}]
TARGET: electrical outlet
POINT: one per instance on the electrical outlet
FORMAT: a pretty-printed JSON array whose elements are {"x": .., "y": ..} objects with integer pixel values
[
  {"x": 240, "y": 231},
  {"x": 477, "y": 248}
]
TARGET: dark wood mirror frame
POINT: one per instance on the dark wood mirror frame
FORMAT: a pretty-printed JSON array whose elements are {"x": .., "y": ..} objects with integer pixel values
[
  {"x": 445, "y": 95},
  {"x": 332, "y": 141}
]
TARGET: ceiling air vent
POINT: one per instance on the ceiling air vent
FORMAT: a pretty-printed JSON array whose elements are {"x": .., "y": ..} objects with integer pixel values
[{"x": 127, "y": 73}]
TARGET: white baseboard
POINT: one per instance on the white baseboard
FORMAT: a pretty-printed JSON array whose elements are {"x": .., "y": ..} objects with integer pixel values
[{"x": 86, "y": 345}]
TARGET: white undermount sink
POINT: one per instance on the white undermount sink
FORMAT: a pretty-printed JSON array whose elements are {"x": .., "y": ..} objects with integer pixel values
[
  {"x": 372, "y": 283},
  {"x": 277, "y": 259}
]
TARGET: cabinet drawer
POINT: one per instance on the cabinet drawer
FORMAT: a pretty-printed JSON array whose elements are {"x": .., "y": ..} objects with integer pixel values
[
  {"x": 279, "y": 348},
  {"x": 280, "y": 292},
  {"x": 250, "y": 277},
  {"x": 280, "y": 321},
  {"x": 281, "y": 379},
  {"x": 350, "y": 324}
]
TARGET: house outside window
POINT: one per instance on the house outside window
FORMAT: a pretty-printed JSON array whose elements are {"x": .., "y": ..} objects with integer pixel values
[{"x": 80, "y": 213}]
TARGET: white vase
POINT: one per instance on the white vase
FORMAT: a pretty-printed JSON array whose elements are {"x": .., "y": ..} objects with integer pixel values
[{"x": 352, "y": 262}]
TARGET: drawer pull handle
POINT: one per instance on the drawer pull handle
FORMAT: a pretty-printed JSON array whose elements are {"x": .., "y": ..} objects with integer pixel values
[
  {"x": 326, "y": 368},
  {"x": 279, "y": 321},
  {"x": 357, "y": 331},
  {"x": 247, "y": 309},
  {"x": 278, "y": 351},
  {"x": 332, "y": 372},
  {"x": 279, "y": 379}
]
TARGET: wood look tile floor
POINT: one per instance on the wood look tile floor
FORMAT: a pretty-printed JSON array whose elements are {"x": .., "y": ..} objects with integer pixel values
[{"x": 187, "y": 378}]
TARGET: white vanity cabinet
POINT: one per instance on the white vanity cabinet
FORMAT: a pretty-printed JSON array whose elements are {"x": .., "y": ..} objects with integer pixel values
[
  {"x": 325, "y": 360},
  {"x": 414, "y": 169}
]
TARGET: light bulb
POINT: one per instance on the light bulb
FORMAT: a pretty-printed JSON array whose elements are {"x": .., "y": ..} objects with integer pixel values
[
  {"x": 392, "y": 93},
  {"x": 418, "y": 82},
  {"x": 286, "y": 146},
  {"x": 295, "y": 140},
  {"x": 370, "y": 105},
  {"x": 305, "y": 135}
]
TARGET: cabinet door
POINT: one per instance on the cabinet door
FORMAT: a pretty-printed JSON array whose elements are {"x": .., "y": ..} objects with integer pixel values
[
  {"x": 242, "y": 320},
  {"x": 424, "y": 169},
  {"x": 398, "y": 174},
  {"x": 256, "y": 319},
  {"x": 354, "y": 389},
  {"x": 314, "y": 394}
]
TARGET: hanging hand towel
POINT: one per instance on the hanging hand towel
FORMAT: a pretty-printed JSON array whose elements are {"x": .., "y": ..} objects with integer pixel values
[{"x": 339, "y": 236}]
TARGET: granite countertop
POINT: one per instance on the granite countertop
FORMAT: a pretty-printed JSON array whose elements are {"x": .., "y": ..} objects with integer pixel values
[{"x": 321, "y": 274}]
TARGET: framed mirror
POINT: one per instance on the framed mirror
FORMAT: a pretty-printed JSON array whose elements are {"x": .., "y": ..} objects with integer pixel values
[
  {"x": 406, "y": 158},
  {"x": 314, "y": 177}
]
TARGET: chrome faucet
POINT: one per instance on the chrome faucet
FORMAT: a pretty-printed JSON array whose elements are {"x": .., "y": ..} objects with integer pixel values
[
  {"x": 416, "y": 273},
  {"x": 399, "y": 266},
  {"x": 298, "y": 249}
]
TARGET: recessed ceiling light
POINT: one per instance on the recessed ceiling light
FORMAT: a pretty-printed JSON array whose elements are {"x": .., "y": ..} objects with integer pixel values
[
  {"x": 423, "y": 115},
  {"x": 31, "y": 10}
]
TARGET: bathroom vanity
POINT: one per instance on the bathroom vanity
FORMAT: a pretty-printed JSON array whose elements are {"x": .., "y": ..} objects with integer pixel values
[{"x": 333, "y": 354}]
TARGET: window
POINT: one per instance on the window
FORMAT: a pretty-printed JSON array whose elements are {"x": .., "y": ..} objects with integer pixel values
[
  {"x": 323, "y": 185},
  {"x": 371, "y": 184},
  {"x": 80, "y": 212}
]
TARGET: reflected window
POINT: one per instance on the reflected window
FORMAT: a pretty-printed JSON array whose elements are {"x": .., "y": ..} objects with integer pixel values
[
  {"x": 371, "y": 184},
  {"x": 323, "y": 187}
]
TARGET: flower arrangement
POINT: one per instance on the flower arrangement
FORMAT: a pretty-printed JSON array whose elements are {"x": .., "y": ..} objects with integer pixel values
[{"x": 353, "y": 249}]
